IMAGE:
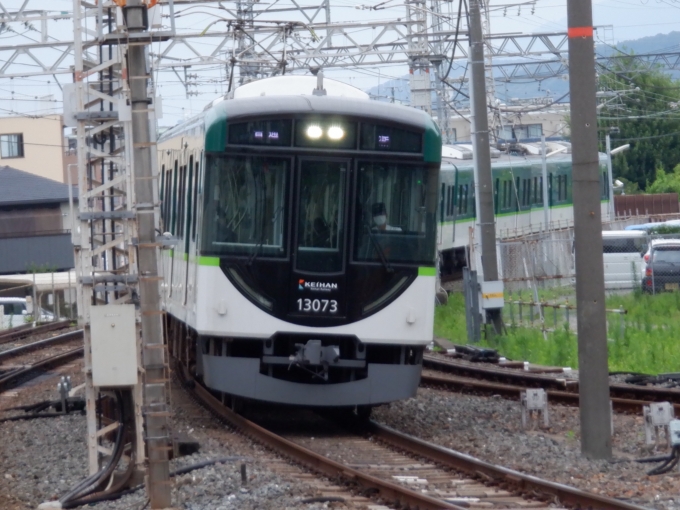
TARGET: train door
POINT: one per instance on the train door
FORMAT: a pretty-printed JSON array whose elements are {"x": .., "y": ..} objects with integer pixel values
[{"x": 320, "y": 233}]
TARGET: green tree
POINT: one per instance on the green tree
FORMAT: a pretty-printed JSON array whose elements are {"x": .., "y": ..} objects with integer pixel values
[
  {"x": 665, "y": 182},
  {"x": 640, "y": 107}
]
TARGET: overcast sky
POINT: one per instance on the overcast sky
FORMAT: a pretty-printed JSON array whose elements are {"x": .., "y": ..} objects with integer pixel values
[{"x": 623, "y": 19}]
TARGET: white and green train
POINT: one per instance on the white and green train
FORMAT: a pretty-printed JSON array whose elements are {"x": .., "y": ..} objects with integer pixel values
[
  {"x": 306, "y": 222},
  {"x": 518, "y": 196}
]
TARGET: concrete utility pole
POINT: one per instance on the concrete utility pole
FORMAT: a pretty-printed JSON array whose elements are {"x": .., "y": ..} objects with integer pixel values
[
  {"x": 594, "y": 404},
  {"x": 154, "y": 352},
  {"x": 486, "y": 227}
]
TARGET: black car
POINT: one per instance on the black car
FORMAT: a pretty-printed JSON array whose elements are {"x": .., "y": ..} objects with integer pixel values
[{"x": 663, "y": 269}]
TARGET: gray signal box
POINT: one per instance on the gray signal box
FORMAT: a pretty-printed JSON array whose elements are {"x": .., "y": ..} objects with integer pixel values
[{"x": 114, "y": 345}]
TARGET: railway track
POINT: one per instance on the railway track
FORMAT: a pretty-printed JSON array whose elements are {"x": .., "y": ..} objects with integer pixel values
[
  {"x": 502, "y": 380},
  {"x": 28, "y": 330},
  {"x": 407, "y": 472},
  {"x": 33, "y": 358}
]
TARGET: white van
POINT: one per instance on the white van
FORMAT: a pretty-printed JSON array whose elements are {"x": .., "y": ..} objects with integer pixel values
[
  {"x": 622, "y": 256},
  {"x": 15, "y": 310}
]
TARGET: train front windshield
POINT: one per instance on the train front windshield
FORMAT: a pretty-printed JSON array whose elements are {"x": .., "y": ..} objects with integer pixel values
[
  {"x": 248, "y": 207},
  {"x": 246, "y": 210},
  {"x": 394, "y": 213}
]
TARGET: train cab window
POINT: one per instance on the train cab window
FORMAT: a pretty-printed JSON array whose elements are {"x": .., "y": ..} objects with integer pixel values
[
  {"x": 245, "y": 207},
  {"x": 395, "y": 213},
  {"x": 321, "y": 229}
]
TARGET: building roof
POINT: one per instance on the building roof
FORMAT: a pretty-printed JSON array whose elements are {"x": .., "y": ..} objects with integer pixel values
[{"x": 23, "y": 188}]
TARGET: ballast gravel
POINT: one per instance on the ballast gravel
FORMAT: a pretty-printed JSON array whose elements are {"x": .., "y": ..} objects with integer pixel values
[
  {"x": 490, "y": 429},
  {"x": 42, "y": 459}
]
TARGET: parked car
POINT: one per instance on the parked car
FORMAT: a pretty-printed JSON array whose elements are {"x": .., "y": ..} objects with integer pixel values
[
  {"x": 662, "y": 269},
  {"x": 16, "y": 311},
  {"x": 622, "y": 253},
  {"x": 655, "y": 242}
]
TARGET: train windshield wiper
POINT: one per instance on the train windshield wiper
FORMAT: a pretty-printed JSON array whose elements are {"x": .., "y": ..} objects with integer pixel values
[
  {"x": 378, "y": 248},
  {"x": 261, "y": 240}
]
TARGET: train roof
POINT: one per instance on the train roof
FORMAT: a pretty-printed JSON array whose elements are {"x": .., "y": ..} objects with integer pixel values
[
  {"x": 295, "y": 85},
  {"x": 263, "y": 106},
  {"x": 462, "y": 156}
]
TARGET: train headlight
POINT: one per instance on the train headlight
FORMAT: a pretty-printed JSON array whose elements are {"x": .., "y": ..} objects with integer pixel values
[
  {"x": 314, "y": 132},
  {"x": 336, "y": 133}
]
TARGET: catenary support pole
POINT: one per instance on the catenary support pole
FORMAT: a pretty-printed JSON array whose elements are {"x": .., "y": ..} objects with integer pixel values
[
  {"x": 486, "y": 227},
  {"x": 610, "y": 180},
  {"x": 594, "y": 406},
  {"x": 153, "y": 350}
]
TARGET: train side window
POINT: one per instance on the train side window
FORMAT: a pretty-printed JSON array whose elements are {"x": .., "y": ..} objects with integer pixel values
[
  {"x": 466, "y": 198},
  {"x": 442, "y": 203},
  {"x": 535, "y": 200},
  {"x": 190, "y": 202},
  {"x": 496, "y": 198},
  {"x": 528, "y": 198},
  {"x": 166, "y": 199},
  {"x": 174, "y": 198},
  {"x": 195, "y": 213},
  {"x": 540, "y": 191},
  {"x": 161, "y": 190},
  {"x": 182, "y": 200},
  {"x": 559, "y": 188},
  {"x": 449, "y": 204},
  {"x": 518, "y": 190},
  {"x": 161, "y": 193}
]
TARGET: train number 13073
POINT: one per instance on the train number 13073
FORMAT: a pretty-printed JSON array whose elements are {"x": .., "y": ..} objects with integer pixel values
[{"x": 317, "y": 305}]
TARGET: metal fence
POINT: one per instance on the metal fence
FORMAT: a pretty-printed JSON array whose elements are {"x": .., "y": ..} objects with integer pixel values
[{"x": 540, "y": 278}]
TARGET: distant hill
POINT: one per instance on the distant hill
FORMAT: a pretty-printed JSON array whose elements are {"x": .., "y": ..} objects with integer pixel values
[{"x": 398, "y": 90}]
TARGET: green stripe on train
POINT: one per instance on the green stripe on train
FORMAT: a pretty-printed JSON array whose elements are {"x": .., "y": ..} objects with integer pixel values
[
  {"x": 427, "y": 271},
  {"x": 208, "y": 261}
]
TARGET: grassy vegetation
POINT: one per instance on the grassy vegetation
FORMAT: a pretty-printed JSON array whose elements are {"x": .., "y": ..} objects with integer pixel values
[{"x": 645, "y": 340}]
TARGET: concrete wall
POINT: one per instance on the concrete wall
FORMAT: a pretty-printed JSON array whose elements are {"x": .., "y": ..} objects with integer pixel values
[
  {"x": 43, "y": 145},
  {"x": 23, "y": 254}
]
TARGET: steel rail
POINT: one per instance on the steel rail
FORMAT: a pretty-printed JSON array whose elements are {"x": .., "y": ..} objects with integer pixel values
[
  {"x": 314, "y": 461},
  {"x": 500, "y": 475},
  {"x": 28, "y": 329},
  {"x": 507, "y": 375},
  {"x": 66, "y": 337},
  {"x": 442, "y": 456},
  {"x": 471, "y": 385},
  {"x": 56, "y": 360},
  {"x": 622, "y": 392}
]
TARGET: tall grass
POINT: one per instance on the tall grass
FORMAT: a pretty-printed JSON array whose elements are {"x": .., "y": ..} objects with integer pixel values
[{"x": 646, "y": 339}]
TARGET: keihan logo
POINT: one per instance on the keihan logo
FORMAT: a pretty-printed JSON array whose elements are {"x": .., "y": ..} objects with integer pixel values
[{"x": 317, "y": 286}]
